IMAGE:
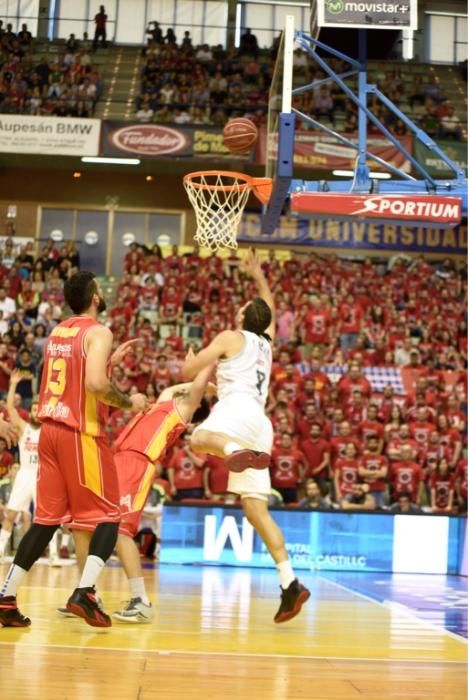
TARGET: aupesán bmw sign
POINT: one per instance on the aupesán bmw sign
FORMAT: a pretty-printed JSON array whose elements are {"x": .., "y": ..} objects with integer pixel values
[{"x": 379, "y": 14}]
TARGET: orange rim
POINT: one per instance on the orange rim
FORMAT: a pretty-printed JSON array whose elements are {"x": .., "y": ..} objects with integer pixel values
[{"x": 261, "y": 186}]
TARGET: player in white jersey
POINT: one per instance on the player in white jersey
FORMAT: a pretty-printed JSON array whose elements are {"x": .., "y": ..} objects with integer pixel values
[
  {"x": 238, "y": 430},
  {"x": 24, "y": 487}
]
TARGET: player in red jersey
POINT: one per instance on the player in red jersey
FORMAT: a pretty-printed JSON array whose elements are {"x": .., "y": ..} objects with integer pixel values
[
  {"x": 77, "y": 478},
  {"x": 138, "y": 449}
]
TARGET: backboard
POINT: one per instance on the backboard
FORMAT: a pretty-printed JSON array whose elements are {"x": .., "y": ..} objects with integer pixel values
[{"x": 371, "y": 198}]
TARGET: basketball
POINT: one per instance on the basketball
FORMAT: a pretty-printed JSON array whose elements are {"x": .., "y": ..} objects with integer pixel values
[{"x": 239, "y": 135}]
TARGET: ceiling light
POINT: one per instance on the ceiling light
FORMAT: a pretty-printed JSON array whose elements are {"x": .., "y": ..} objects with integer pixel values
[
  {"x": 110, "y": 161},
  {"x": 372, "y": 175}
]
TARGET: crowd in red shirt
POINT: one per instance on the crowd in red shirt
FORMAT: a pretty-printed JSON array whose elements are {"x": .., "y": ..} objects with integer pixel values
[{"x": 330, "y": 312}]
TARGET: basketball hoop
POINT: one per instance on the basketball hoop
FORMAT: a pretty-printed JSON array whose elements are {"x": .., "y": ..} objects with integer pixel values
[{"x": 218, "y": 198}]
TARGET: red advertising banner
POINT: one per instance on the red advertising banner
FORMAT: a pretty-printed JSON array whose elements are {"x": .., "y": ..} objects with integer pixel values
[
  {"x": 316, "y": 150},
  {"x": 412, "y": 208},
  {"x": 120, "y": 138}
]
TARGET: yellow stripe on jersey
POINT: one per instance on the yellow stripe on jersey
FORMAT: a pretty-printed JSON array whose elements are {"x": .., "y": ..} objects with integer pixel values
[
  {"x": 158, "y": 443},
  {"x": 91, "y": 414},
  {"x": 91, "y": 464},
  {"x": 61, "y": 332},
  {"x": 145, "y": 486}
]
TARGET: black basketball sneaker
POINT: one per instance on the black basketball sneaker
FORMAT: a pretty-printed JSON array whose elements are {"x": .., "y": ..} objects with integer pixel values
[
  {"x": 83, "y": 602},
  {"x": 10, "y": 616},
  {"x": 292, "y": 599}
]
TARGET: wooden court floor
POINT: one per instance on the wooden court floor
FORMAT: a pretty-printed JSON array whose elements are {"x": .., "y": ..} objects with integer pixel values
[{"x": 213, "y": 638}]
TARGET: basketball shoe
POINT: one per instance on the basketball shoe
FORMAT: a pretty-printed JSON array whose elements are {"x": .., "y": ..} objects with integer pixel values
[
  {"x": 136, "y": 611},
  {"x": 247, "y": 459},
  {"x": 83, "y": 602},
  {"x": 292, "y": 599},
  {"x": 65, "y": 612},
  {"x": 10, "y": 616}
]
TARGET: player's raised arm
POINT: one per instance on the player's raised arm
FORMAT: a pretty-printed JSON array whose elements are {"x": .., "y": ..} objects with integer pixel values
[
  {"x": 252, "y": 266},
  {"x": 15, "y": 378},
  {"x": 98, "y": 349}
]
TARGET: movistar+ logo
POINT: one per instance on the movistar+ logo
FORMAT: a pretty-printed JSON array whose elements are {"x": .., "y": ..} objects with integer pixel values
[{"x": 335, "y": 6}]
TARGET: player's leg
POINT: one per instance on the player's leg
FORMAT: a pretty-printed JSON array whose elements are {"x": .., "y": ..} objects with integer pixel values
[
  {"x": 20, "y": 499},
  {"x": 52, "y": 509},
  {"x": 92, "y": 487},
  {"x": 136, "y": 476},
  {"x": 241, "y": 420},
  {"x": 7, "y": 529},
  {"x": 139, "y": 608},
  {"x": 293, "y": 593}
]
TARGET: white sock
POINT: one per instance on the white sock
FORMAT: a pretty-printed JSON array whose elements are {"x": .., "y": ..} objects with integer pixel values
[
  {"x": 4, "y": 537},
  {"x": 65, "y": 539},
  {"x": 138, "y": 590},
  {"x": 53, "y": 549},
  {"x": 13, "y": 580},
  {"x": 286, "y": 573},
  {"x": 231, "y": 447},
  {"x": 92, "y": 568}
]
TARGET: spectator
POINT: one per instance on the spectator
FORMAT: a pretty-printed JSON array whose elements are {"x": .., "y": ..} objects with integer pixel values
[
  {"x": 317, "y": 452},
  {"x": 373, "y": 470},
  {"x": 100, "y": 20},
  {"x": 450, "y": 125},
  {"x": 313, "y": 499},
  {"x": 288, "y": 466},
  {"x": 145, "y": 114},
  {"x": 248, "y": 45},
  {"x": 215, "y": 479},
  {"x": 404, "y": 505},
  {"x": 407, "y": 476},
  {"x": 358, "y": 499},
  {"x": 346, "y": 472},
  {"x": 185, "y": 472},
  {"x": 442, "y": 485},
  {"x": 27, "y": 387}
]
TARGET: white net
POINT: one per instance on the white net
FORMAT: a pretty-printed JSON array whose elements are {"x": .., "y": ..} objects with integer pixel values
[{"x": 218, "y": 200}]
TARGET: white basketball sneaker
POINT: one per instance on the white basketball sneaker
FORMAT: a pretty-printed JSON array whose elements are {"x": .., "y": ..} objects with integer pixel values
[{"x": 136, "y": 611}]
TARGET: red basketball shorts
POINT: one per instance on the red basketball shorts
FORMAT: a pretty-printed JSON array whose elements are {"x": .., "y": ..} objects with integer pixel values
[
  {"x": 136, "y": 475},
  {"x": 77, "y": 479}
]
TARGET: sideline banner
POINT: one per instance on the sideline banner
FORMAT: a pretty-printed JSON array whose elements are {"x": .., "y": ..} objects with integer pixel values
[
  {"x": 326, "y": 233},
  {"x": 326, "y": 540},
  {"x": 319, "y": 151},
  {"x": 50, "y": 136},
  {"x": 121, "y": 138}
]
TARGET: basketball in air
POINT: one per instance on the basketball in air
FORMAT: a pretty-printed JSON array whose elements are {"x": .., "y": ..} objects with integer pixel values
[{"x": 240, "y": 135}]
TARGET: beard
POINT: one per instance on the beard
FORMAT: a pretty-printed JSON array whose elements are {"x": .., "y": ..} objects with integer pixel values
[{"x": 102, "y": 306}]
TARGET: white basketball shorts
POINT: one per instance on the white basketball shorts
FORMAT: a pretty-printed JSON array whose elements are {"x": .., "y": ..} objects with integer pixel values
[
  {"x": 244, "y": 421},
  {"x": 23, "y": 491}
]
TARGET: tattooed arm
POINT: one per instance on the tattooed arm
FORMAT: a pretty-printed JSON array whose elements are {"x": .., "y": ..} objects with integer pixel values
[{"x": 98, "y": 346}]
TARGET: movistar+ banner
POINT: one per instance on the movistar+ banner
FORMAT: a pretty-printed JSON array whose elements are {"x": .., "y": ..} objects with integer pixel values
[{"x": 365, "y": 13}]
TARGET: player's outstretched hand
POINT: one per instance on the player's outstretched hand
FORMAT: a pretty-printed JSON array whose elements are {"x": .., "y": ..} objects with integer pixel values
[
  {"x": 251, "y": 264},
  {"x": 9, "y": 433},
  {"x": 139, "y": 403},
  {"x": 122, "y": 350}
]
